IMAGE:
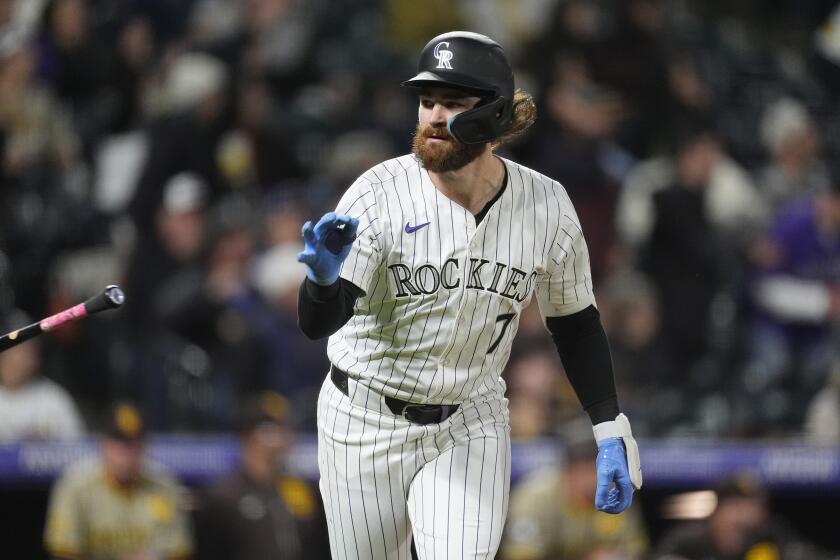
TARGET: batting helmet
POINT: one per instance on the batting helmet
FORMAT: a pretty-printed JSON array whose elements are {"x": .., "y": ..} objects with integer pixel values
[{"x": 477, "y": 65}]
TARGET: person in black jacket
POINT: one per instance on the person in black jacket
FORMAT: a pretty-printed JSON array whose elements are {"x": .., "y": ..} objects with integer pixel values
[{"x": 261, "y": 512}]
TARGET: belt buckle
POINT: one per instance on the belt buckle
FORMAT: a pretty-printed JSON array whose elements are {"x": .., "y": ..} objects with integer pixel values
[
  {"x": 408, "y": 407},
  {"x": 423, "y": 409}
]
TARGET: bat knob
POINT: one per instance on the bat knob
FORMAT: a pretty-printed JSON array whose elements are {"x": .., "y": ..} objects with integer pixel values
[{"x": 114, "y": 295}]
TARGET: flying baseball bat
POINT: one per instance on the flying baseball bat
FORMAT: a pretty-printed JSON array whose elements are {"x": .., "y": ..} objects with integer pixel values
[{"x": 110, "y": 298}]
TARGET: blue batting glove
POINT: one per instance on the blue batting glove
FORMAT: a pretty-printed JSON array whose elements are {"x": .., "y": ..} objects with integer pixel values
[
  {"x": 326, "y": 245},
  {"x": 618, "y": 466},
  {"x": 611, "y": 468}
]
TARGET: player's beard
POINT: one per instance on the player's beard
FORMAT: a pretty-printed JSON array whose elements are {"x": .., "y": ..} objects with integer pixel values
[{"x": 440, "y": 157}]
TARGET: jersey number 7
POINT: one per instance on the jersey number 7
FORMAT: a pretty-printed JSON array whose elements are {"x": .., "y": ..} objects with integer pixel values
[{"x": 505, "y": 318}]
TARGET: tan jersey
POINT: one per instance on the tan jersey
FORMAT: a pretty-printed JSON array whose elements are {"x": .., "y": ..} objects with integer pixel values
[
  {"x": 542, "y": 525},
  {"x": 90, "y": 517}
]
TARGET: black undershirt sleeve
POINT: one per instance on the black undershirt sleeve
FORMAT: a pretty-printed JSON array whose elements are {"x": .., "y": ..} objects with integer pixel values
[
  {"x": 585, "y": 353},
  {"x": 322, "y": 310}
]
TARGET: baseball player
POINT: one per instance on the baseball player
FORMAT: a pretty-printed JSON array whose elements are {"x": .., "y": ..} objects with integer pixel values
[
  {"x": 419, "y": 278},
  {"x": 118, "y": 506}
]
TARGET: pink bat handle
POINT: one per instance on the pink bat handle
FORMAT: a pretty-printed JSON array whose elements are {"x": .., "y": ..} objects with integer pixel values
[
  {"x": 110, "y": 298},
  {"x": 73, "y": 313}
]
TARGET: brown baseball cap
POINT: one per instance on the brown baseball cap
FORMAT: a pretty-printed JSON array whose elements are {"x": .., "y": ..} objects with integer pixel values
[
  {"x": 267, "y": 407},
  {"x": 741, "y": 484},
  {"x": 125, "y": 422}
]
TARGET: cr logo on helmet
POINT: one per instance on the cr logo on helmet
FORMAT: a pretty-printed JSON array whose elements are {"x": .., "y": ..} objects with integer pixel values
[{"x": 443, "y": 56}]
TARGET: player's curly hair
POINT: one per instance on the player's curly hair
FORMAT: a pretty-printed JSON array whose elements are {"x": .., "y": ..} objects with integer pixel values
[{"x": 524, "y": 115}]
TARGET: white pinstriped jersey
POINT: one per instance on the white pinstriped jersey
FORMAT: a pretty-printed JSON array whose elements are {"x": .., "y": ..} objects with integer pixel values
[{"x": 443, "y": 295}]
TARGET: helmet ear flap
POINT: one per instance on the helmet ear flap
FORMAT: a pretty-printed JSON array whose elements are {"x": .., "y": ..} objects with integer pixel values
[{"x": 482, "y": 123}]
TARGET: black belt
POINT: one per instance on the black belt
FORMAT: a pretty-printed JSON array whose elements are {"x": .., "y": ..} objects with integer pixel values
[{"x": 415, "y": 413}]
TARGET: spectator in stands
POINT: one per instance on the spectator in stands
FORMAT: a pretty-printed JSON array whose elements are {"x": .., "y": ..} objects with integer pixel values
[
  {"x": 128, "y": 81},
  {"x": 741, "y": 526},
  {"x": 677, "y": 213},
  {"x": 70, "y": 59},
  {"x": 683, "y": 254},
  {"x": 117, "y": 506},
  {"x": 795, "y": 170},
  {"x": 36, "y": 130},
  {"x": 185, "y": 137},
  {"x": 551, "y": 514},
  {"x": 796, "y": 290},
  {"x": 257, "y": 153},
  {"x": 574, "y": 30},
  {"x": 635, "y": 65},
  {"x": 210, "y": 306},
  {"x": 730, "y": 202},
  {"x": 175, "y": 244},
  {"x": 690, "y": 100},
  {"x": 31, "y": 406},
  {"x": 262, "y": 512}
]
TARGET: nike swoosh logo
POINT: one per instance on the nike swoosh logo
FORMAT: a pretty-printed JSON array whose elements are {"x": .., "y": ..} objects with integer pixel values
[{"x": 411, "y": 229}]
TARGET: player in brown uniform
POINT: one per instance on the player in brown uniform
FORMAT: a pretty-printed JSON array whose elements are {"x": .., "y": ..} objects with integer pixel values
[{"x": 117, "y": 506}]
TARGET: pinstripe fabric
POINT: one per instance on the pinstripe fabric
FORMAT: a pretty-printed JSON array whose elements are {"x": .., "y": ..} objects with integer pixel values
[
  {"x": 433, "y": 297},
  {"x": 440, "y": 311},
  {"x": 383, "y": 478}
]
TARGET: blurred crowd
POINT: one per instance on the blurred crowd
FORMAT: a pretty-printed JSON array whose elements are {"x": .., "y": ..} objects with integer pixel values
[{"x": 176, "y": 148}]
